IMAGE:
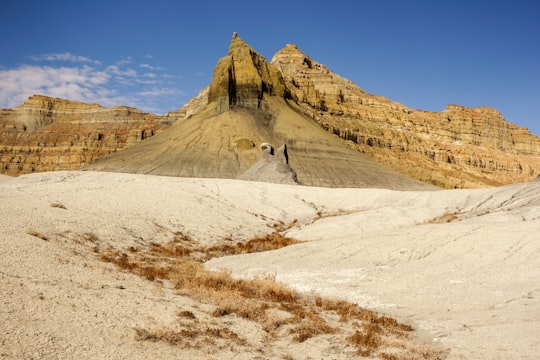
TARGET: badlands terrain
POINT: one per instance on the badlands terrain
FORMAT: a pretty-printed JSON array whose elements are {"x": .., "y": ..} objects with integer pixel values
[
  {"x": 338, "y": 134},
  {"x": 131, "y": 235},
  {"x": 93, "y": 265}
]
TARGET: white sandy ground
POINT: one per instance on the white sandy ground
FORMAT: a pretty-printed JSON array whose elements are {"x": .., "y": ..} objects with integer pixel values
[{"x": 471, "y": 285}]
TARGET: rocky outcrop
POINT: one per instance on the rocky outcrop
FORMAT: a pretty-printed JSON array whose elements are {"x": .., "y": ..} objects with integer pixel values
[
  {"x": 248, "y": 104},
  {"x": 46, "y": 133},
  {"x": 272, "y": 167},
  {"x": 190, "y": 108},
  {"x": 458, "y": 147},
  {"x": 290, "y": 100},
  {"x": 242, "y": 78}
]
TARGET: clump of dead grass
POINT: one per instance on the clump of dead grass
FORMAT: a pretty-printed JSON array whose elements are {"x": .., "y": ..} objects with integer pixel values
[
  {"x": 310, "y": 325},
  {"x": 192, "y": 337},
  {"x": 38, "y": 234},
  {"x": 268, "y": 242},
  {"x": 186, "y": 314},
  {"x": 447, "y": 217},
  {"x": 58, "y": 205},
  {"x": 368, "y": 340}
]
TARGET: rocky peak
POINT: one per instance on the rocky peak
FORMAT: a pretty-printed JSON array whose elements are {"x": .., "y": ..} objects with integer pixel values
[
  {"x": 457, "y": 147},
  {"x": 243, "y": 78}
]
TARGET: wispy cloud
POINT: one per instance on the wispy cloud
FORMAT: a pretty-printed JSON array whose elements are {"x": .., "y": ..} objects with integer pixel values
[
  {"x": 65, "y": 56},
  {"x": 81, "y": 78},
  {"x": 156, "y": 92},
  {"x": 118, "y": 71},
  {"x": 150, "y": 67},
  {"x": 171, "y": 76},
  {"x": 125, "y": 61}
]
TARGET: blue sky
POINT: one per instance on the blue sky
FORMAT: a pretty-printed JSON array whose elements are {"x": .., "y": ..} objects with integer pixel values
[{"x": 156, "y": 55}]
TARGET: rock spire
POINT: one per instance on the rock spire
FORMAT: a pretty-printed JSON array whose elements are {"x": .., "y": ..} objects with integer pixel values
[{"x": 243, "y": 78}]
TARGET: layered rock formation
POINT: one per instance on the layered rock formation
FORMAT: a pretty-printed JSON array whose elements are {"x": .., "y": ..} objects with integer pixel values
[
  {"x": 46, "y": 133},
  {"x": 290, "y": 100},
  {"x": 242, "y": 78},
  {"x": 458, "y": 147},
  {"x": 247, "y": 104}
]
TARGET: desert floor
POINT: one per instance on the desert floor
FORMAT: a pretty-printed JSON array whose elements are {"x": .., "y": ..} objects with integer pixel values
[{"x": 461, "y": 267}]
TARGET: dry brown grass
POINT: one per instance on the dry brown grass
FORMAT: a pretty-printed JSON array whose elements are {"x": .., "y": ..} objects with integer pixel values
[
  {"x": 90, "y": 237},
  {"x": 192, "y": 337},
  {"x": 186, "y": 314},
  {"x": 58, "y": 205},
  {"x": 183, "y": 247},
  {"x": 447, "y": 217},
  {"x": 268, "y": 242},
  {"x": 368, "y": 340},
  {"x": 309, "y": 326},
  {"x": 38, "y": 234},
  {"x": 280, "y": 311}
]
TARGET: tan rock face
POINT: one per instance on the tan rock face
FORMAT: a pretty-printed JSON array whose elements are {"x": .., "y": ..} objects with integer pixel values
[
  {"x": 247, "y": 105},
  {"x": 250, "y": 101},
  {"x": 242, "y": 78},
  {"x": 458, "y": 147},
  {"x": 46, "y": 134}
]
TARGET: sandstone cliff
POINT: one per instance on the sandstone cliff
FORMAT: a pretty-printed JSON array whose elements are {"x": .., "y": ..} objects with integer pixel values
[
  {"x": 247, "y": 104},
  {"x": 46, "y": 133},
  {"x": 251, "y": 101},
  {"x": 458, "y": 147}
]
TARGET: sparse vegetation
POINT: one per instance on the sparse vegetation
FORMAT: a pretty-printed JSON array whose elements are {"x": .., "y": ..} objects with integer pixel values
[
  {"x": 192, "y": 337},
  {"x": 446, "y": 217},
  {"x": 368, "y": 340},
  {"x": 258, "y": 244},
  {"x": 259, "y": 299},
  {"x": 90, "y": 237},
  {"x": 58, "y": 205},
  {"x": 37, "y": 234}
]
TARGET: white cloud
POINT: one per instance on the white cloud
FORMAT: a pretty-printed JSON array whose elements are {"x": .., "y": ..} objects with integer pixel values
[
  {"x": 65, "y": 56},
  {"x": 88, "y": 81},
  {"x": 125, "y": 61},
  {"x": 157, "y": 92},
  {"x": 147, "y": 82},
  {"x": 150, "y": 67},
  {"x": 170, "y": 76},
  {"x": 117, "y": 70},
  {"x": 74, "y": 83}
]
